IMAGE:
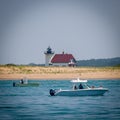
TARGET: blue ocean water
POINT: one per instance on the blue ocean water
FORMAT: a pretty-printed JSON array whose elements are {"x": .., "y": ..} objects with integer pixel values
[{"x": 35, "y": 103}]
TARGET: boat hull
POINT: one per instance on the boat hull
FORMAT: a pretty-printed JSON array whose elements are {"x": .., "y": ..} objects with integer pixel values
[
  {"x": 83, "y": 92},
  {"x": 26, "y": 85}
]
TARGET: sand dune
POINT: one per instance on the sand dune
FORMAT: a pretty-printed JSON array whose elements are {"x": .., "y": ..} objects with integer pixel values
[{"x": 18, "y": 72}]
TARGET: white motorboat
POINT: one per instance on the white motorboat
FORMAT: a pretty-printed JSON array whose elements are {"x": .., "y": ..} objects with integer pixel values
[{"x": 82, "y": 90}]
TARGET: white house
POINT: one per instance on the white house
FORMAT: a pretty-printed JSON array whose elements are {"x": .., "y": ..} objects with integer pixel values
[{"x": 58, "y": 59}]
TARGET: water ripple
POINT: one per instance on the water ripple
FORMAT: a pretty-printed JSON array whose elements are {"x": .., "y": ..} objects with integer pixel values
[{"x": 36, "y": 103}]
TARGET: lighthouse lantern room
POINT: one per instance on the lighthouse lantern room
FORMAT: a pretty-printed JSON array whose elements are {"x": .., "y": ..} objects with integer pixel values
[{"x": 48, "y": 55}]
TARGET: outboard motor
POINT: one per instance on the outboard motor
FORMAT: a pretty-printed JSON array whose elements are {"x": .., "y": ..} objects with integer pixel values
[{"x": 52, "y": 92}]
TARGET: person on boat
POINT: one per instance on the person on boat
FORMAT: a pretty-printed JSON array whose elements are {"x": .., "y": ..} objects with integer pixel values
[
  {"x": 14, "y": 84},
  {"x": 21, "y": 81},
  {"x": 74, "y": 87},
  {"x": 80, "y": 86}
]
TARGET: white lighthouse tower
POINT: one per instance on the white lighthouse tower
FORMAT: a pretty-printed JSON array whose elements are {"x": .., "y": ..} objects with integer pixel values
[{"x": 48, "y": 55}]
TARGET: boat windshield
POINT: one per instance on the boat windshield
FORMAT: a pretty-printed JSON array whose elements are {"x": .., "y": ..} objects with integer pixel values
[
  {"x": 25, "y": 80},
  {"x": 85, "y": 86}
]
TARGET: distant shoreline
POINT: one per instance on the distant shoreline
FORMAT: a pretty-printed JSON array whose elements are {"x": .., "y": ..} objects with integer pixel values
[
  {"x": 55, "y": 77},
  {"x": 58, "y": 73}
]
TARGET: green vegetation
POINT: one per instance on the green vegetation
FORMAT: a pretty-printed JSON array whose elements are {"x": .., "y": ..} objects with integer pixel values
[
  {"x": 21, "y": 69},
  {"x": 99, "y": 62}
]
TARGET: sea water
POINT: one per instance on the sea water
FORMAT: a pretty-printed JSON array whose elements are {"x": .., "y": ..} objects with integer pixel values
[{"x": 35, "y": 103}]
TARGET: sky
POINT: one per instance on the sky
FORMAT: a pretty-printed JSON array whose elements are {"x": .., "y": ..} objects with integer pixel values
[{"x": 88, "y": 29}]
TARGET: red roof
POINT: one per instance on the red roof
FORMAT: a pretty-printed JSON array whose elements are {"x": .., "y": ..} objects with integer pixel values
[{"x": 62, "y": 58}]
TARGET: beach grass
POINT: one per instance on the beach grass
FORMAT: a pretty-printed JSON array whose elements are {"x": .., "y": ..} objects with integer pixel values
[{"x": 41, "y": 72}]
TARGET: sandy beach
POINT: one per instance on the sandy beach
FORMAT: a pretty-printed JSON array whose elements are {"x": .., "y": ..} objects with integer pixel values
[{"x": 58, "y": 73}]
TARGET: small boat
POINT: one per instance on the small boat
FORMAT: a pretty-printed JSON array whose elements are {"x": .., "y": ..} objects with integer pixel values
[
  {"x": 25, "y": 83},
  {"x": 82, "y": 90}
]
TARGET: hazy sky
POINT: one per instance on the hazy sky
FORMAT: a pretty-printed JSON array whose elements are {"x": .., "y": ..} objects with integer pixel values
[{"x": 86, "y": 28}]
